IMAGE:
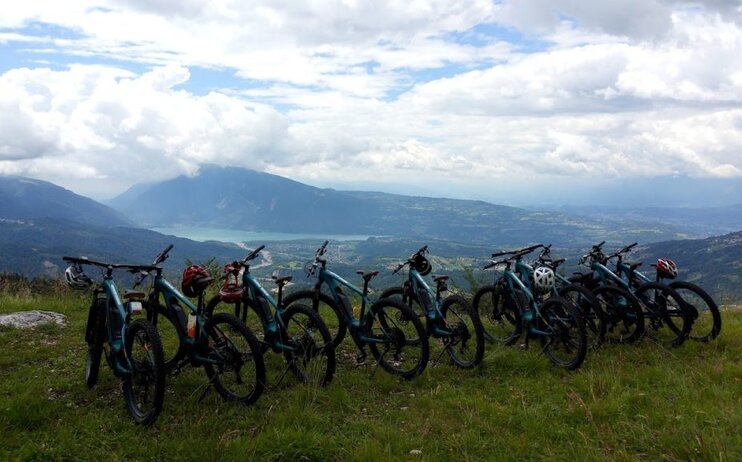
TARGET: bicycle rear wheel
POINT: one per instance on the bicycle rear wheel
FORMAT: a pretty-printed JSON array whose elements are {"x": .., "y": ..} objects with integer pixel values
[
  {"x": 144, "y": 387},
  {"x": 566, "y": 342},
  {"x": 498, "y": 313},
  {"x": 466, "y": 345},
  {"x": 392, "y": 326},
  {"x": 239, "y": 372},
  {"x": 95, "y": 336},
  {"x": 707, "y": 325},
  {"x": 313, "y": 361},
  {"x": 666, "y": 317},
  {"x": 584, "y": 300},
  {"x": 624, "y": 316}
]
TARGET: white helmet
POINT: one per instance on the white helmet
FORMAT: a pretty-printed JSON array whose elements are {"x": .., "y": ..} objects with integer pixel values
[
  {"x": 76, "y": 278},
  {"x": 543, "y": 279}
]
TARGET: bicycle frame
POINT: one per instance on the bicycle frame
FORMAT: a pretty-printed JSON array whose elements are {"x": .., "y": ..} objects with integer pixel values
[
  {"x": 272, "y": 325},
  {"x": 430, "y": 303},
  {"x": 115, "y": 314},
  {"x": 356, "y": 325}
]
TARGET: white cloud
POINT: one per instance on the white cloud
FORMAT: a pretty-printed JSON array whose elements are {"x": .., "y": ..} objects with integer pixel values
[{"x": 387, "y": 92}]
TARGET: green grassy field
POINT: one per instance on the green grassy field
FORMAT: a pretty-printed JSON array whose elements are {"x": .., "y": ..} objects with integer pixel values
[{"x": 640, "y": 402}]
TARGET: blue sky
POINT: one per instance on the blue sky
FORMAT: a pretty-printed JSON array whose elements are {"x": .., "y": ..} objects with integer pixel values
[{"x": 482, "y": 99}]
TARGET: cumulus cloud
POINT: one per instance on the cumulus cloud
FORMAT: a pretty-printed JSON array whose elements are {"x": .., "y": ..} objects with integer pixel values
[{"x": 386, "y": 92}]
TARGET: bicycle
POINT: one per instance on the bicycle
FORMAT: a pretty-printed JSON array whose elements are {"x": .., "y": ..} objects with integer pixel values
[
  {"x": 676, "y": 313},
  {"x": 451, "y": 320},
  {"x": 658, "y": 304},
  {"x": 514, "y": 308},
  {"x": 132, "y": 349},
  {"x": 221, "y": 344},
  {"x": 387, "y": 326},
  {"x": 296, "y": 331},
  {"x": 578, "y": 295}
]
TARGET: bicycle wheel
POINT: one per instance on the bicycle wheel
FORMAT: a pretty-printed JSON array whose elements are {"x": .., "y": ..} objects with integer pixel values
[
  {"x": 623, "y": 314},
  {"x": 239, "y": 372},
  {"x": 707, "y": 325},
  {"x": 584, "y": 300},
  {"x": 144, "y": 387},
  {"x": 170, "y": 331},
  {"x": 325, "y": 306},
  {"x": 466, "y": 345},
  {"x": 313, "y": 361},
  {"x": 246, "y": 312},
  {"x": 391, "y": 346},
  {"x": 666, "y": 318},
  {"x": 499, "y": 315},
  {"x": 566, "y": 341},
  {"x": 95, "y": 335}
]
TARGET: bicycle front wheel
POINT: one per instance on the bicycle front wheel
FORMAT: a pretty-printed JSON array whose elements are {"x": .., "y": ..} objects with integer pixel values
[
  {"x": 239, "y": 372},
  {"x": 325, "y": 306},
  {"x": 500, "y": 317},
  {"x": 566, "y": 341},
  {"x": 707, "y": 325},
  {"x": 313, "y": 359},
  {"x": 466, "y": 344},
  {"x": 398, "y": 340},
  {"x": 144, "y": 386}
]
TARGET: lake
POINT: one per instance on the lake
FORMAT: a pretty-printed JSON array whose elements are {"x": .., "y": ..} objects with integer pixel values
[{"x": 235, "y": 235}]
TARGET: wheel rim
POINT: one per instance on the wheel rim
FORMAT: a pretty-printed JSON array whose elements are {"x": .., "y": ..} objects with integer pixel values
[
  {"x": 310, "y": 362},
  {"x": 233, "y": 354},
  {"x": 401, "y": 349}
]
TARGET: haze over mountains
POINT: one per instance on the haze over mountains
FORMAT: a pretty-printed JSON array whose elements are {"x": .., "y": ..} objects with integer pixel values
[
  {"x": 40, "y": 222},
  {"x": 245, "y": 199}
]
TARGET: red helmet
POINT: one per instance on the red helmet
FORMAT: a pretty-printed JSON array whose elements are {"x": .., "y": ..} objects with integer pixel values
[
  {"x": 666, "y": 268},
  {"x": 195, "y": 279},
  {"x": 231, "y": 290}
]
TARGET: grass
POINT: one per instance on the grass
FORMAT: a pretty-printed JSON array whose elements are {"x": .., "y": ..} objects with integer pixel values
[{"x": 640, "y": 402}]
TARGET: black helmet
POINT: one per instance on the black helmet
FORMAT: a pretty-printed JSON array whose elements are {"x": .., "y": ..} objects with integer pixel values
[{"x": 422, "y": 265}]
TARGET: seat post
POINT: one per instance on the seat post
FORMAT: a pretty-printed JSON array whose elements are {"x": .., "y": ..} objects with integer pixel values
[{"x": 280, "y": 293}]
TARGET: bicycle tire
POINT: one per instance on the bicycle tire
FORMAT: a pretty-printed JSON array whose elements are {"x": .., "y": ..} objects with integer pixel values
[
  {"x": 387, "y": 311},
  {"x": 303, "y": 335},
  {"x": 666, "y": 317},
  {"x": 622, "y": 311},
  {"x": 567, "y": 327},
  {"x": 222, "y": 331},
  {"x": 327, "y": 309},
  {"x": 500, "y": 317},
  {"x": 698, "y": 331},
  {"x": 173, "y": 354},
  {"x": 95, "y": 336},
  {"x": 145, "y": 370},
  {"x": 463, "y": 331},
  {"x": 584, "y": 300}
]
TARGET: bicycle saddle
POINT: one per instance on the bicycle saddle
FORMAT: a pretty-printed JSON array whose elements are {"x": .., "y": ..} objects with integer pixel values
[
  {"x": 201, "y": 284},
  {"x": 136, "y": 294},
  {"x": 282, "y": 281},
  {"x": 367, "y": 276},
  {"x": 440, "y": 278},
  {"x": 634, "y": 265}
]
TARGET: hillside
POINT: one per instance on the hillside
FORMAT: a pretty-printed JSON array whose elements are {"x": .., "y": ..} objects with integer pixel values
[
  {"x": 246, "y": 199},
  {"x": 714, "y": 263},
  {"x": 36, "y": 247},
  {"x": 26, "y": 198}
]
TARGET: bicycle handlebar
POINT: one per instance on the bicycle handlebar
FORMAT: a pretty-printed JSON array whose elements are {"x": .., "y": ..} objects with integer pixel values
[
  {"x": 162, "y": 256},
  {"x": 523, "y": 251},
  {"x": 87, "y": 261},
  {"x": 420, "y": 252},
  {"x": 252, "y": 255}
]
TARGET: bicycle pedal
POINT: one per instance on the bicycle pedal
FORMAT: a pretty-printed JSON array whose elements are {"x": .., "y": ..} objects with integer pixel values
[{"x": 361, "y": 358}]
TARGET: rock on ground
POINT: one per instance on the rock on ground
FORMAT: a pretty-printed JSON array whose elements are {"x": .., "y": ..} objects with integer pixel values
[{"x": 26, "y": 319}]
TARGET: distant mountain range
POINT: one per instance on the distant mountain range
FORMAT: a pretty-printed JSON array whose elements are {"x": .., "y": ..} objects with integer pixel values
[
  {"x": 25, "y": 198},
  {"x": 245, "y": 199}
]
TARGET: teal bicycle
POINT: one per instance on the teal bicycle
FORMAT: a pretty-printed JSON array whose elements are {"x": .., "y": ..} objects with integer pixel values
[
  {"x": 452, "y": 320},
  {"x": 132, "y": 348},
  {"x": 296, "y": 332},
  {"x": 389, "y": 329},
  {"x": 662, "y": 311},
  {"x": 221, "y": 344},
  {"x": 513, "y": 308}
]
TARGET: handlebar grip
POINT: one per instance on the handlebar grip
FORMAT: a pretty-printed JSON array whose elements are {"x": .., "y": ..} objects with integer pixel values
[
  {"x": 599, "y": 246},
  {"x": 500, "y": 254},
  {"x": 168, "y": 249},
  {"x": 259, "y": 249}
]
